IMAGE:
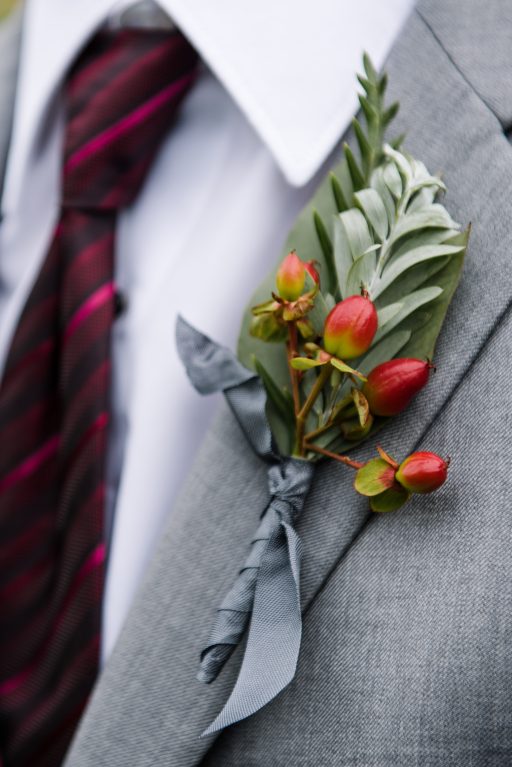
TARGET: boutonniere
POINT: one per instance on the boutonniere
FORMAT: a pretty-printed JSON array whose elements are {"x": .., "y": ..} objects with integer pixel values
[{"x": 337, "y": 341}]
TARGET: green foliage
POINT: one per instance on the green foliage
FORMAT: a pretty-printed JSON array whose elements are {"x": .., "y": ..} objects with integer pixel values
[
  {"x": 279, "y": 410},
  {"x": 390, "y": 500},
  {"x": 373, "y": 224}
]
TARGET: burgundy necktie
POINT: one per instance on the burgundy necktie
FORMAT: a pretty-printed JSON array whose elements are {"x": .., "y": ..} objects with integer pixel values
[{"x": 121, "y": 98}]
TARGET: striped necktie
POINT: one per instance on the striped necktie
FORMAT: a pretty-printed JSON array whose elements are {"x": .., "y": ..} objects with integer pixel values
[{"x": 121, "y": 97}]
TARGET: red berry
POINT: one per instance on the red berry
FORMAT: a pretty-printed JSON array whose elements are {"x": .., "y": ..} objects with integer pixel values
[
  {"x": 422, "y": 472},
  {"x": 291, "y": 277},
  {"x": 312, "y": 271},
  {"x": 350, "y": 327},
  {"x": 391, "y": 385}
]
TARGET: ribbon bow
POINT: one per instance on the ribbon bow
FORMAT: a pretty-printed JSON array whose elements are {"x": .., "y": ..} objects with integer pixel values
[{"x": 266, "y": 592}]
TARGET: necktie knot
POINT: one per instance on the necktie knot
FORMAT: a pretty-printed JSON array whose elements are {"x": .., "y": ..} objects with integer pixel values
[{"x": 121, "y": 97}]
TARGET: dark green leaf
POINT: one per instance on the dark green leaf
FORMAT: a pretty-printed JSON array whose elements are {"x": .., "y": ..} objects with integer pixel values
[
  {"x": 356, "y": 173},
  {"x": 364, "y": 83},
  {"x": 408, "y": 305},
  {"x": 337, "y": 191},
  {"x": 390, "y": 500},
  {"x": 383, "y": 84},
  {"x": 413, "y": 258},
  {"x": 283, "y": 403},
  {"x": 397, "y": 142},
  {"x": 364, "y": 146},
  {"x": 279, "y": 410},
  {"x": 384, "y": 350},
  {"x": 308, "y": 382},
  {"x": 326, "y": 245},
  {"x": 370, "y": 70},
  {"x": 422, "y": 343},
  {"x": 371, "y": 114},
  {"x": 391, "y": 113}
]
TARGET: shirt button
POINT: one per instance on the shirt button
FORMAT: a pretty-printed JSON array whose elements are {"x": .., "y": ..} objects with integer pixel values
[{"x": 120, "y": 303}]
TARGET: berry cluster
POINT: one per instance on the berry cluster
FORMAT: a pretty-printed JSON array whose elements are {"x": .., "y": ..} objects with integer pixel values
[{"x": 351, "y": 403}]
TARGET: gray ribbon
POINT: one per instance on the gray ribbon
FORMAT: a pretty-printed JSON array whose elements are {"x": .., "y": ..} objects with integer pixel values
[{"x": 267, "y": 589}]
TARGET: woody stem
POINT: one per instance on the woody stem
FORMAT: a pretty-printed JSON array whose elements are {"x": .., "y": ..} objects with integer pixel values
[
  {"x": 341, "y": 458},
  {"x": 294, "y": 375},
  {"x": 304, "y": 412}
]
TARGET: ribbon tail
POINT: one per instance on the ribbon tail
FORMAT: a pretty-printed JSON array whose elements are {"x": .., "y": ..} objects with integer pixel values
[
  {"x": 271, "y": 655},
  {"x": 235, "y": 611},
  {"x": 212, "y": 368}
]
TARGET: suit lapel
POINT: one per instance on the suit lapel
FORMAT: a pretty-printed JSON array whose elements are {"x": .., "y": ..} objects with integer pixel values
[
  {"x": 452, "y": 130},
  {"x": 148, "y": 709},
  {"x": 477, "y": 37}
]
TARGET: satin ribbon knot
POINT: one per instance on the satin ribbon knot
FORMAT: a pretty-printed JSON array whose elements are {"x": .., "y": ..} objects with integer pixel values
[{"x": 266, "y": 593}]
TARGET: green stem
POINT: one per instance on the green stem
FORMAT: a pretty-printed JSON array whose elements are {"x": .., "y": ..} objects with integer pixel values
[{"x": 304, "y": 412}]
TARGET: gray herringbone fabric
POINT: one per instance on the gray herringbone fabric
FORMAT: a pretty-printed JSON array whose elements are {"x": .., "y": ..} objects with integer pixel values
[{"x": 407, "y": 651}]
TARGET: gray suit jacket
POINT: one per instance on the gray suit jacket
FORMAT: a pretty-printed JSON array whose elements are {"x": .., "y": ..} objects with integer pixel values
[{"x": 407, "y": 647}]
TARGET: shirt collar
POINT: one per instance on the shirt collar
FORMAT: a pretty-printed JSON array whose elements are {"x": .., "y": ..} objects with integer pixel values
[{"x": 289, "y": 65}]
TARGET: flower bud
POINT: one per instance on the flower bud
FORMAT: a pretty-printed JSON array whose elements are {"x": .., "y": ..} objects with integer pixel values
[
  {"x": 291, "y": 277},
  {"x": 312, "y": 271},
  {"x": 422, "y": 472},
  {"x": 391, "y": 385},
  {"x": 350, "y": 327}
]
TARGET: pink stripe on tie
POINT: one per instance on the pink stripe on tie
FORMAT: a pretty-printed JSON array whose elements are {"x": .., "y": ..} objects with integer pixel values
[
  {"x": 130, "y": 121},
  {"x": 100, "y": 65},
  {"x": 95, "y": 300},
  {"x": 94, "y": 560},
  {"x": 30, "y": 464}
]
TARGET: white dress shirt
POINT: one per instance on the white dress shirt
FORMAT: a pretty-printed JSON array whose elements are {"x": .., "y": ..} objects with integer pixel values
[{"x": 276, "y": 94}]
